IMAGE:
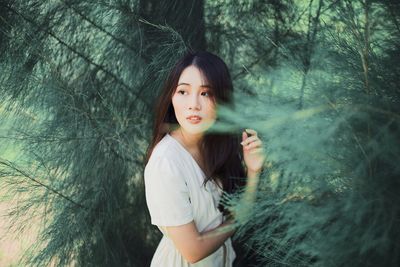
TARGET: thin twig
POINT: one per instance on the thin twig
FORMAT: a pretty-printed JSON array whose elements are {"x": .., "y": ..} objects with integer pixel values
[{"x": 24, "y": 174}]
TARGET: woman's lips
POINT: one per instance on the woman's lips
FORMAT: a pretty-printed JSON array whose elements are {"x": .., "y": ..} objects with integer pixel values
[{"x": 194, "y": 119}]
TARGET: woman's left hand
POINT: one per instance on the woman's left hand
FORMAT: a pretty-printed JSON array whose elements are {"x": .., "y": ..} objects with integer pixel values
[{"x": 253, "y": 151}]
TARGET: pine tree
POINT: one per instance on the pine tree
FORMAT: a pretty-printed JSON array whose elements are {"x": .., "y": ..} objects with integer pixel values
[
  {"x": 78, "y": 69},
  {"x": 319, "y": 81},
  {"x": 328, "y": 196}
]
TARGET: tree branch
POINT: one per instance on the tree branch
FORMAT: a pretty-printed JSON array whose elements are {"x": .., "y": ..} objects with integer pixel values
[
  {"x": 80, "y": 54},
  {"x": 97, "y": 26},
  {"x": 26, "y": 175}
]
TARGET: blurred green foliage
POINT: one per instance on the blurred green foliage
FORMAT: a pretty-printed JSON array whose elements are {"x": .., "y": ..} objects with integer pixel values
[{"x": 318, "y": 79}]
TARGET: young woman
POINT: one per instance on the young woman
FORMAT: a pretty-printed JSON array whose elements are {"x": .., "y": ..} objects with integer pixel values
[{"x": 188, "y": 168}]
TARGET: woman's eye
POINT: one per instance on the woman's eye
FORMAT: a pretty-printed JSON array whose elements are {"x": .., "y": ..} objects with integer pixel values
[
  {"x": 206, "y": 94},
  {"x": 181, "y": 92}
]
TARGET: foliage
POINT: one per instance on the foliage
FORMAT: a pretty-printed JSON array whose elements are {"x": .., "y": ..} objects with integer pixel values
[{"x": 319, "y": 81}]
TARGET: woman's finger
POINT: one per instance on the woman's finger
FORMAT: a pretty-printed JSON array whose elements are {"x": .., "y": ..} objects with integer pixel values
[
  {"x": 257, "y": 150},
  {"x": 251, "y": 131},
  {"x": 254, "y": 144},
  {"x": 244, "y": 136},
  {"x": 249, "y": 140}
]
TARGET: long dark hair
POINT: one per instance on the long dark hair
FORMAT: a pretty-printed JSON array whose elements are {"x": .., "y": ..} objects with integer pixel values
[{"x": 221, "y": 152}]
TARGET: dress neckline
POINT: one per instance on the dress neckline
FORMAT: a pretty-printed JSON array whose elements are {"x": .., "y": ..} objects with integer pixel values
[
  {"x": 190, "y": 155},
  {"x": 219, "y": 186}
]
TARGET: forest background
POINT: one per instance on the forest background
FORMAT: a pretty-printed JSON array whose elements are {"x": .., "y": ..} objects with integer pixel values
[{"x": 318, "y": 79}]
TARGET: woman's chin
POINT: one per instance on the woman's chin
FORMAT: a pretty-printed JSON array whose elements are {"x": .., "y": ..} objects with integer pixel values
[
  {"x": 198, "y": 129},
  {"x": 194, "y": 131}
]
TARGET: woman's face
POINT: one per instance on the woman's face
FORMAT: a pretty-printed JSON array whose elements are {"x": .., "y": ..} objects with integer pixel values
[{"x": 193, "y": 97}]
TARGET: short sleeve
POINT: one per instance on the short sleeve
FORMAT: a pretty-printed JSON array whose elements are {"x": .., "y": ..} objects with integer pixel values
[{"x": 167, "y": 194}]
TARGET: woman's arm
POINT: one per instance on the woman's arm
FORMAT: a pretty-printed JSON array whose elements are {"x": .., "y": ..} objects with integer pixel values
[
  {"x": 195, "y": 246},
  {"x": 251, "y": 186}
]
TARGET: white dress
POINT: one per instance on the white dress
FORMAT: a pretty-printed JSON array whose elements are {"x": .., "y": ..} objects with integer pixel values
[{"x": 175, "y": 195}]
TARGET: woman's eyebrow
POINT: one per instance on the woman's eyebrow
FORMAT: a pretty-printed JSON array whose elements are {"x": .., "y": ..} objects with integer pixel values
[{"x": 204, "y": 86}]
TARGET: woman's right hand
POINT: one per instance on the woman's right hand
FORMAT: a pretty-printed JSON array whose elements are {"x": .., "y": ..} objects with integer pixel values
[{"x": 253, "y": 152}]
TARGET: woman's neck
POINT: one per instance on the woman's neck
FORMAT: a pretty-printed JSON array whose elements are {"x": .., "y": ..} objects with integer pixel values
[
  {"x": 190, "y": 141},
  {"x": 192, "y": 144}
]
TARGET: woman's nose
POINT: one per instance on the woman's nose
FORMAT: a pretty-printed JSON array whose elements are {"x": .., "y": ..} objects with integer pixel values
[{"x": 194, "y": 102}]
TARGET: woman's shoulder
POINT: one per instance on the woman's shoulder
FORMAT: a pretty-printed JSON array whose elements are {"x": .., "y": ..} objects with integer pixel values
[
  {"x": 165, "y": 148},
  {"x": 165, "y": 154}
]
